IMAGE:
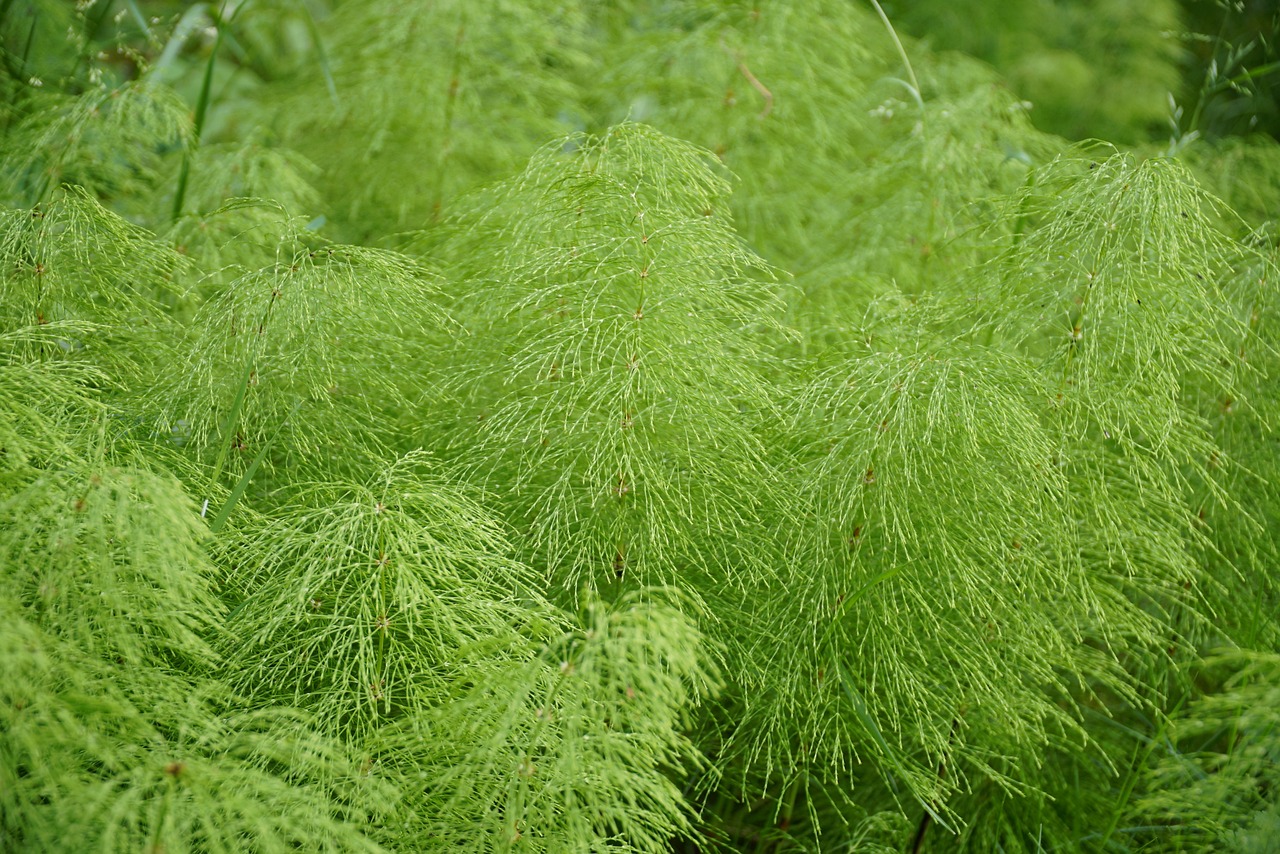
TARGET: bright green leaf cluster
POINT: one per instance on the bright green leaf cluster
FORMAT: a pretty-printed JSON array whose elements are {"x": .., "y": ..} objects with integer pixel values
[{"x": 621, "y": 427}]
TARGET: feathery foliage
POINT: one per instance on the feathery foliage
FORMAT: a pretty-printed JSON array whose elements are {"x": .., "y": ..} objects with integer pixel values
[
  {"x": 432, "y": 99},
  {"x": 94, "y": 758},
  {"x": 1223, "y": 763},
  {"x": 313, "y": 335},
  {"x": 569, "y": 746},
  {"x": 49, "y": 252},
  {"x": 621, "y": 426},
  {"x": 613, "y": 357},
  {"x": 360, "y": 601}
]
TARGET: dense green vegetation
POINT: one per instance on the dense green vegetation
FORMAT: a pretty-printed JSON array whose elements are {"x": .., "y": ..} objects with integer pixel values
[{"x": 638, "y": 426}]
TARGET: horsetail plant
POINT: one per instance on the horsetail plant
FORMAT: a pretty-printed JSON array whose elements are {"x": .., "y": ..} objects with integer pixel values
[{"x": 567, "y": 427}]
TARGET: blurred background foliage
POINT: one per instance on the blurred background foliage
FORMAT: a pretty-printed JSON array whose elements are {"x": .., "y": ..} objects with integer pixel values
[{"x": 479, "y": 87}]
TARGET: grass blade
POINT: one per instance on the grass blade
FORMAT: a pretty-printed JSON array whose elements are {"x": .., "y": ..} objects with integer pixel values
[
  {"x": 243, "y": 484},
  {"x": 202, "y": 109},
  {"x": 229, "y": 431}
]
